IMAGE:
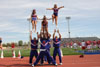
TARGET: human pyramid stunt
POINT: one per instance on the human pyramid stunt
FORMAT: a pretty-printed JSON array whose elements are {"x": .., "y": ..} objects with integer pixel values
[{"x": 45, "y": 41}]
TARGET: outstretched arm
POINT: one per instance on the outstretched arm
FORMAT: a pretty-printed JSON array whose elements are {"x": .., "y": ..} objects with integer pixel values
[
  {"x": 30, "y": 35},
  {"x": 59, "y": 34},
  {"x": 29, "y": 19},
  {"x": 54, "y": 34},
  {"x": 46, "y": 19},
  {"x": 49, "y": 9},
  {"x": 61, "y": 7},
  {"x": 39, "y": 18},
  {"x": 49, "y": 18}
]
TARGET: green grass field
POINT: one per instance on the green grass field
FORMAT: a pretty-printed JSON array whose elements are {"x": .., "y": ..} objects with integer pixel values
[{"x": 26, "y": 52}]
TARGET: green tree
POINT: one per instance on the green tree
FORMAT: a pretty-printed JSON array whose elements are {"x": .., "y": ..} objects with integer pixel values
[
  {"x": 4, "y": 45},
  {"x": 8, "y": 44},
  {"x": 16, "y": 44},
  {"x": 20, "y": 43}
]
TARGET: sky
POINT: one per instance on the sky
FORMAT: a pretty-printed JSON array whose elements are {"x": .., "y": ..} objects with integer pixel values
[{"x": 84, "y": 22}]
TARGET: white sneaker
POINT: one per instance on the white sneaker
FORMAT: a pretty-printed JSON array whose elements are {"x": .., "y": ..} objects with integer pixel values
[
  {"x": 32, "y": 65},
  {"x": 56, "y": 64},
  {"x": 60, "y": 63}
]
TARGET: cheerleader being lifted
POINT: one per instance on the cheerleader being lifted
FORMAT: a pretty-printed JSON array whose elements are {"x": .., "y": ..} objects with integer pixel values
[{"x": 55, "y": 13}]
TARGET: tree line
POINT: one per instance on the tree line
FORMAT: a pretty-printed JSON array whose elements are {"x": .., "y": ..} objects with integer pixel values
[{"x": 19, "y": 43}]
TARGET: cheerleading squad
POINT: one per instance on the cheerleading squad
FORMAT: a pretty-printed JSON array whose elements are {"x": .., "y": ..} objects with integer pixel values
[
  {"x": 84, "y": 44},
  {"x": 44, "y": 23},
  {"x": 45, "y": 44}
]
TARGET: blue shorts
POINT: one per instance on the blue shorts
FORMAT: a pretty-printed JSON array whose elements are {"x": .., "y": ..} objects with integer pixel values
[
  {"x": 45, "y": 26},
  {"x": 56, "y": 14},
  {"x": 34, "y": 18}
]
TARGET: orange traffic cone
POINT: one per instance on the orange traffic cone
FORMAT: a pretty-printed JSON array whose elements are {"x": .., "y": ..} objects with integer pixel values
[
  {"x": 14, "y": 55},
  {"x": 19, "y": 54},
  {"x": 2, "y": 54}
]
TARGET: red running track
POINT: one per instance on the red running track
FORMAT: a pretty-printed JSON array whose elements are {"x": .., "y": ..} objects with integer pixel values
[{"x": 68, "y": 61}]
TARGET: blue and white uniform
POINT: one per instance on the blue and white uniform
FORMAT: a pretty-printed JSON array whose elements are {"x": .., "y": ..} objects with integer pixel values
[
  {"x": 48, "y": 46},
  {"x": 44, "y": 52},
  {"x": 34, "y": 45},
  {"x": 55, "y": 11},
  {"x": 56, "y": 45},
  {"x": 34, "y": 17}
]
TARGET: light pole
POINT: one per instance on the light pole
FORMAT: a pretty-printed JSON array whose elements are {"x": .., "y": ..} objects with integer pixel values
[
  {"x": 28, "y": 19},
  {"x": 68, "y": 18}
]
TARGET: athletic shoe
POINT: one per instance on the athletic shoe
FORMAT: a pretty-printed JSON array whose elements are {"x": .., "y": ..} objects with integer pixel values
[
  {"x": 32, "y": 65},
  {"x": 50, "y": 63},
  {"x": 56, "y": 64},
  {"x": 60, "y": 63}
]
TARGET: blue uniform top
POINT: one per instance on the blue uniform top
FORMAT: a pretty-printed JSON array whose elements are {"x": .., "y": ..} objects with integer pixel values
[
  {"x": 34, "y": 17},
  {"x": 34, "y": 44},
  {"x": 44, "y": 43},
  {"x": 0, "y": 41},
  {"x": 55, "y": 10},
  {"x": 56, "y": 42},
  {"x": 48, "y": 45}
]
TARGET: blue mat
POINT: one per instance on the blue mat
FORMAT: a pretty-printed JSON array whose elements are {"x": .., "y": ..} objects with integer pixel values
[{"x": 90, "y": 52}]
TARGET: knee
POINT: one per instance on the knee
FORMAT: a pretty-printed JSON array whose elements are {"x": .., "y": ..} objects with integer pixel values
[
  {"x": 52, "y": 16},
  {"x": 35, "y": 24}
]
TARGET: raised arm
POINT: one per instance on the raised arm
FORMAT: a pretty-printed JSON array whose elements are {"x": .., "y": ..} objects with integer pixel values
[
  {"x": 49, "y": 9},
  {"x": 49, "y": 34},
  {"x": 30, "y": 35},
  {"x": 38, "y": 36},
  {"x": 54, "y": 34},
  {"x": 41, "y": 34},
  {"x": 59, "y": 34},
  {"x": 61, "y": 7}
]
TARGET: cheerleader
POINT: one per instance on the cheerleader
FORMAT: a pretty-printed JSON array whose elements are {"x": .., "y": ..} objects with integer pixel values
[{"x": 55, "y": 13}]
